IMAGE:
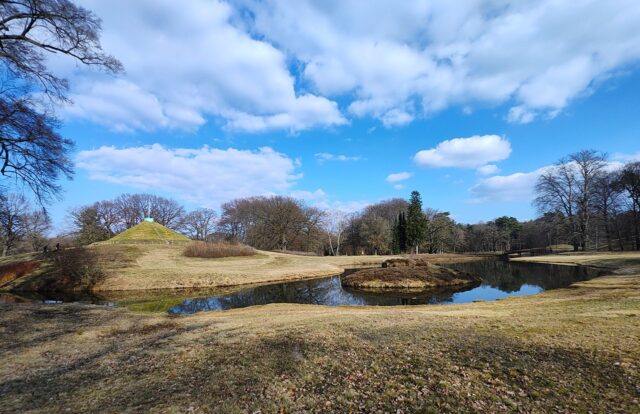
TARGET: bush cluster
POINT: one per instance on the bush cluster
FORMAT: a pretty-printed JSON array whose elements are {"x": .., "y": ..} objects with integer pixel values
[
  {"x": 217, "y": 249},
  {"x": 78, "y": 267}
]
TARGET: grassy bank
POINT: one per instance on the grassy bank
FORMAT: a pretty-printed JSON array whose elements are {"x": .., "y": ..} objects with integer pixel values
[
  {"x": 160, "y": 266},
  {"x": 567, "y": 350}
]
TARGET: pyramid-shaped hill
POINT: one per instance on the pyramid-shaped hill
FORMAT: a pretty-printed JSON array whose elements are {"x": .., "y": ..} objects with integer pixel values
[{"x": 148, "y": 232}]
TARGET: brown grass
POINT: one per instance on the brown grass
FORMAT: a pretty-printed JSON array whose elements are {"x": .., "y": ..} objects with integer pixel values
[
  {"x": 11, "y": 271},
  {"x": 216, "y": 250},
  {"x": 408, "y": 277},
  {"x": 161, "y": 266},
  {"x": 566, "y": 350}
]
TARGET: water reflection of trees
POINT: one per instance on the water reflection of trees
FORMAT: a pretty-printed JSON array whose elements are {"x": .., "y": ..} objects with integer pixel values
[
  {"x": 327, "y": 291},
  {"x": 505, "y": 276},
  {"x": 510, "y": 276}
]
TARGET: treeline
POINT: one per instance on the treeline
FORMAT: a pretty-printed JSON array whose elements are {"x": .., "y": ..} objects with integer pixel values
[{"x": 585, "y": 204}]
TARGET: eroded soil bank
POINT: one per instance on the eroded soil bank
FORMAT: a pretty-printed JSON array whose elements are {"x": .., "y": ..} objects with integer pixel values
[{"x": 565, "y": 350}]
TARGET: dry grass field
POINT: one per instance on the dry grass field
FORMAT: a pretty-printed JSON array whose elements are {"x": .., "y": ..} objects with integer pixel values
[
  {"x": 566, "y": 350},
  {"x": 165, "y": 267}
]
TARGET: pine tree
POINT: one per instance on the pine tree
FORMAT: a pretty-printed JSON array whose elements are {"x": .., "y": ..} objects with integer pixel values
[
  {"x": 395, "y": 240},
  {"x": 416, "y": 222},
  {"x": 402, "y": 232}
]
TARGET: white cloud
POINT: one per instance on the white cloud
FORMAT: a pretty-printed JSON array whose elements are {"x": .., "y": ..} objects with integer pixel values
[
  {"x": 281, "y": 65},
  {"x": 519, "y": 186},
  {"x": 309, "y": 196},
  {"x": 207, "y": 176},
  {"x": 471, "y": 152},
  {"x": 185, "y": 61},
  {"x": 488, "y": 169},
  {"x": 401, "y": 176},
  {"x": 520, "y": 115},
  {"x": 514, "y": 187},
  {"x": 622, "y": 157},
  {"x": 324, "y": 201},
  {"x": 421, "y": 57},
  {"x": 322, "y": 157},
  {"x": 396, "y": 117}
]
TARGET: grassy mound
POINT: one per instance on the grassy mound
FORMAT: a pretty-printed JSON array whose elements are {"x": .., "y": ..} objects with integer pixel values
[
  {"x": 409, "y": 275},
  {"x": 148, "y": 232}
]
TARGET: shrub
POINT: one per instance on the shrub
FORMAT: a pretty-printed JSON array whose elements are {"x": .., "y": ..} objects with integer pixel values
[
  {"x": 217, "y": 249},
  {"x": 78, "y": 267}
]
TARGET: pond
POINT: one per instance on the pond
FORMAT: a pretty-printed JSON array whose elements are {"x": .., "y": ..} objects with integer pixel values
[{"x": 499, "y": 280}]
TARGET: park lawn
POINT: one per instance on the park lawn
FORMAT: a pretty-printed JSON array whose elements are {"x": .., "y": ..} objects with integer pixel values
[
  {"x": 566, "y": 350},
  {"x": 164, "y": 267},
  {"x": 628, "y": 262}
]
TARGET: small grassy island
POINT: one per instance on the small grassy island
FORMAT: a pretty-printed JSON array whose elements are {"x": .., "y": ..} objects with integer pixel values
[{"x": 407, "y": 273}]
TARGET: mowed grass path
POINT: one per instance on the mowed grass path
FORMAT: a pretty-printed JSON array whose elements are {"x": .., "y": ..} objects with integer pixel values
[{"x": 567, "y": 350}]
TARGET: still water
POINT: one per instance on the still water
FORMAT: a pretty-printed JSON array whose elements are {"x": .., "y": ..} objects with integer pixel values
[{"x": 499, "y": 280}]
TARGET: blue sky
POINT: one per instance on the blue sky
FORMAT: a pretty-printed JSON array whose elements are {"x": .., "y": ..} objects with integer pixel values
[{"x": 344, "y": 105}]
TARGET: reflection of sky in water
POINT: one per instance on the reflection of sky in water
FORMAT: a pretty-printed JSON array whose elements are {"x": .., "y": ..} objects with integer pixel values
[
  {"x": 500, "y": 280},
  {"x": 490, "y": 293}
]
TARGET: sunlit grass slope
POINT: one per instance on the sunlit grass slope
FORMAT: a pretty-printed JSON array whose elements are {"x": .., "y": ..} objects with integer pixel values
[{"x": 148, "y": 232}]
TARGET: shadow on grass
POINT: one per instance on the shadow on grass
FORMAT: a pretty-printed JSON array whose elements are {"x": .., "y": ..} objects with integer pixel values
[{"x": 181, "y": 364}]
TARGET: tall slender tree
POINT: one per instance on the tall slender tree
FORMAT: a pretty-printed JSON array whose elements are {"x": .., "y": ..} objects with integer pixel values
[{"x": 416, "y": 222}]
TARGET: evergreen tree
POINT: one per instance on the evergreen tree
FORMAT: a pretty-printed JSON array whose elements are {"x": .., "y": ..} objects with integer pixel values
[
  {"x": 416, "y": 222},
  {"x": 402, "y": 232},
  {"x": 395, "y": 240}
]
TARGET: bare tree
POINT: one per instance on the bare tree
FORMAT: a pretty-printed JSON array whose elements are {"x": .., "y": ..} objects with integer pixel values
[
  {"x": 14, "y": 209},
  {"x": 88, "y": 227},
  {"x": 557, "y": 190},
  {"x": 133, "y": 208},
  {"x": 568, "y": 187},
  {"x": 629, "y": 181},
  {"x": 236, "y": 219},
  {"x": 22, "y": 228},
  {"x": 37, "y": 224},
  {"x": 336, "y": 223},
  {"x": 590, "y": 165},
  {"x": 607, "y": 202},
  {"x": 376, "y": 234},
  {"x": 270, "y": 223},
  {"x": 108, "y": 216},
  {"x": 200, "y": 223},
  {"x": 30, "y": 149}
]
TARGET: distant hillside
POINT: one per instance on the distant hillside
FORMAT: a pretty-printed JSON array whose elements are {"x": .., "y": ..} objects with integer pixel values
[{"x": 148, "y": 232}]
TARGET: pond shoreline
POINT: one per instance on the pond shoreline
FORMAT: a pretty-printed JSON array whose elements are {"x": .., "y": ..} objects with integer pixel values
[{"x": 496, "y": 280}]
